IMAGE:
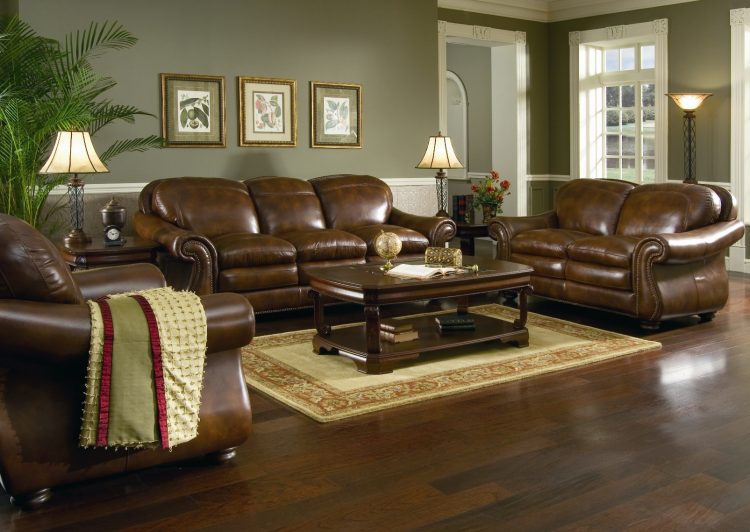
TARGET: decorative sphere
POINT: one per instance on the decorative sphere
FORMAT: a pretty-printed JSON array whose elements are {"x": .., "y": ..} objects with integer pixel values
[{"x": 387, "y": 246}]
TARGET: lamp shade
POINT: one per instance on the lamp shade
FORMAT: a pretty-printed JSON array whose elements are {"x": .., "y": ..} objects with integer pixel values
[
  {"x": 689, "y": 101},
  {"x": 73, "y": 153},
  {"x": 439, "y": 154}
]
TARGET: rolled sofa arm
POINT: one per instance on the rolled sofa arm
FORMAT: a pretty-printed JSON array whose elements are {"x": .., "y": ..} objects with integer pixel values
[
  {"x": 115, "y": 279},
  {"x": 504, "y": 228},
  {"x": 438, "y": 230},
  {"x": 185, "y": 246},
  {"x": 702, "y": 242},
  {"x": 60, "y": 333}
]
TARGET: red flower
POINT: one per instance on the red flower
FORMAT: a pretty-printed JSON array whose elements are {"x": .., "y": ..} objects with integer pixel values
[
  {"x": 494, "y": 174},
  {"x": 505, "y": 184}
]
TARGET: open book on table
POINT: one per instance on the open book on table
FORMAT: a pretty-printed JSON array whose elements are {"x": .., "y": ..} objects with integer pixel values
[{"x": 420, "y": 271}]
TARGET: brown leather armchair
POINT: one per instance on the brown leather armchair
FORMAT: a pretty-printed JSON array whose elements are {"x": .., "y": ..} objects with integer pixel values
[{"x": 44, "y": 346}]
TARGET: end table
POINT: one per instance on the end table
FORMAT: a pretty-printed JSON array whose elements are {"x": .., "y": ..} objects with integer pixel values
[
  {"x": 96, "y": 254},
  {"x": 467, "y": 233}
]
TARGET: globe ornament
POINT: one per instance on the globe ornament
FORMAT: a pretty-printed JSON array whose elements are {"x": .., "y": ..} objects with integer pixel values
[{"x": 387, "y": 246}]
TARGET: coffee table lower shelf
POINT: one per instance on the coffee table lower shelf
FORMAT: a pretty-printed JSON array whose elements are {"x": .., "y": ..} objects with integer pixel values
[{"x": 351, "y": 342}]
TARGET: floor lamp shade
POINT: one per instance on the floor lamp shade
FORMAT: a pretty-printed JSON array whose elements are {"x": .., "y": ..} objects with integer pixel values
[
  {"x": 73, "y": 153},
  {"x": 689, "y": 102},
  {"x": 440, "y": 156}
]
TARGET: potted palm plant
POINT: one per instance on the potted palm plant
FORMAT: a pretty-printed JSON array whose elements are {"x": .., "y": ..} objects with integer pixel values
[{"x": 48, "y": 86}]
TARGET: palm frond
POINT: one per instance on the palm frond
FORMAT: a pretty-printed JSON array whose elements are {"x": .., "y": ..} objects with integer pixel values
[{"x": 139, "y": 144}]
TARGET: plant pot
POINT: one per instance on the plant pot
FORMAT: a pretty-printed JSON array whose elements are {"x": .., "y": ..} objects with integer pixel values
[{"x": 488, "y": 212}]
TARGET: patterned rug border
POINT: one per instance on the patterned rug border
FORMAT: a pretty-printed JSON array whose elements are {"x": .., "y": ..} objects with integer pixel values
[{"x": 325, "y": 403}]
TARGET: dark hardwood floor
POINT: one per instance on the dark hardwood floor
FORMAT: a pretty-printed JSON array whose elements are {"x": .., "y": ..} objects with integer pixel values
[{"x": 655, "y": 441}]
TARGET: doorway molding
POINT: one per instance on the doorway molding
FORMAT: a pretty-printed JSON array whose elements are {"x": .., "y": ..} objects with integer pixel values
[{"x": 449, "y": 32}]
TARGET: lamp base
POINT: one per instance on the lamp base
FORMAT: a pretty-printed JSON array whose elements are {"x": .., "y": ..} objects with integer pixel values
[
  {"x": 442, "y": 213},
  {"x": 76, "y": 237},
  {"x": 690, "y": 181}
]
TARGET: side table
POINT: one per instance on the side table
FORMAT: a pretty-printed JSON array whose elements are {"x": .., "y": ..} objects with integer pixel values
[
  {"x": 467, "y": 233},
  {"x": 95, "y": 254}
]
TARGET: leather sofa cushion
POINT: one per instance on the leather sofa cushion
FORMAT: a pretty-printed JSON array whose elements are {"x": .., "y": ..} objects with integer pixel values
[
  {"x": 668, "y": 208},
  {"x": 598, "y": 275},
  {"x": 591, "y": 205},
  {"x": 545, "y": 242},
  {"x": 285, "y": 204},
  {"x": 411, "y": 241},
  {"x": 31, "y": 267},
  {"x": 605, "y": 250},
  {"x": 326, "y": 244},
  {"x": 543, "y": 266},
  {"x": 258, "y": 278},
  {"x": 209, "y": 206},
  {"x": 350, "y": 201},
  {"x": 237, "y": 250}
]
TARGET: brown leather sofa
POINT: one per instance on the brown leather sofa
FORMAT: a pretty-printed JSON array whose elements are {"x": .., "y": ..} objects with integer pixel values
[
  {"x": 653, "y": 252},
  {"x": 261, "y": 237},
  {"x": 44, "y": 348}
]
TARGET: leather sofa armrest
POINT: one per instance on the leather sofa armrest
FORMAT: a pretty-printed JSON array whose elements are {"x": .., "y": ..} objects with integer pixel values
[
  {"x": 438, "y": 230},
  {"x": 186, "y": 246},
  {"x": 115, "y": 279},
  {"x": 700, "y": 243},
  {"x": 60, "y": 333},
  {"x": 504, "y": 228}
]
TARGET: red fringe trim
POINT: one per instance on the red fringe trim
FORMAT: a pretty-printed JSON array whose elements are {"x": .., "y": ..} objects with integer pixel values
[
  {"x": 161, "y": 397},
  {"x": 104, "y": 389}
]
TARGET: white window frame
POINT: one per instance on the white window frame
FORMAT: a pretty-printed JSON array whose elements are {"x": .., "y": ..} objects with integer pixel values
[
  {"x": 587, "y": 133},
  {"x": 739, "y": 162}
]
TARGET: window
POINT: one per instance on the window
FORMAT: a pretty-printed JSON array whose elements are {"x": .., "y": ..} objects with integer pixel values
[{"x": 618, "y": 123}]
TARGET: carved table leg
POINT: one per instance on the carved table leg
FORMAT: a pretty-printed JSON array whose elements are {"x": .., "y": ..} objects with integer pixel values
[
  {"x": 520, "y": 323},
  {"x": 462, "y": 305},
  {"x": 372, "y": 328},
  {"x": 320, "y": 325}
]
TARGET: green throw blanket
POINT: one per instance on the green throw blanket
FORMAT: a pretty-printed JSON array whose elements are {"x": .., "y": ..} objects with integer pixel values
[{"x": 145, "y": 371}]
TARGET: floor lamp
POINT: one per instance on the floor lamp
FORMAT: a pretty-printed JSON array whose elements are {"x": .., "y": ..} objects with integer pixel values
[
  {"x": 439, "y": 156},
  {"x": 689, "y": 102},
  {"x": 73, "y": 153}
]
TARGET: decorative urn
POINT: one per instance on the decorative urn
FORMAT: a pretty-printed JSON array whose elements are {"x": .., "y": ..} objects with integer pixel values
[{"x": 387, "y": 246}]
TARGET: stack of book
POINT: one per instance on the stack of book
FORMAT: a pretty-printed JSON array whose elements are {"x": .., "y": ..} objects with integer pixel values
[
  {"x": 463, "y": 208},
  {"x": 397, "y": 331},
  {"x": 455, "y": 322}
]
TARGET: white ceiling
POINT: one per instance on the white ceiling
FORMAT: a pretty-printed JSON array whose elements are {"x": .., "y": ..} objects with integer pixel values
[{"x": 552, "y": 10}]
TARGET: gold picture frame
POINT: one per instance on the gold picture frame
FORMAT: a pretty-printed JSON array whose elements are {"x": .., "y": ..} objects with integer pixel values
[
  {"x": 335, "y": 115},
  {"x": 267, "y": 111},
  {"x": 193, "y": 111}
]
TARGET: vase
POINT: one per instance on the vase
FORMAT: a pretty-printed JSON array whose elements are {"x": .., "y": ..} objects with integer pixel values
[{"x": 488, "y": 212}]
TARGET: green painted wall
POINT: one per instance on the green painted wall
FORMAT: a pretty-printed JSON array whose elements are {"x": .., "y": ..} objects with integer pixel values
[
  {"x": 388, "y": 46},
  {"x": 699, "y": 60},
  {"x": 8, "y": 7},
  {"x": 472, "y": 64},
  {"x": 538, "y": 78}
]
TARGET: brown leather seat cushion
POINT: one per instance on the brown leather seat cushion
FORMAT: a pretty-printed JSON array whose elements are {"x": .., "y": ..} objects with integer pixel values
[
  {"x": 325, "y": 244},
  {"x": 237, "y": 250},
  {"x": 605, "y": 250},
  {"x": 599, "y": 275},
  {"x": 258, "y": 278},
  {"x": 545, "y": 242},
  {"x": 543, "y": 266},
  {"x": 411, "y": 241}
]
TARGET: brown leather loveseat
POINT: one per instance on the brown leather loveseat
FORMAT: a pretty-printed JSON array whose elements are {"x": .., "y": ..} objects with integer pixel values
[
  {"x": 44, "y": 344},
  {"x": 653, "y": 252},
  {"x": 261, "y": 237}
]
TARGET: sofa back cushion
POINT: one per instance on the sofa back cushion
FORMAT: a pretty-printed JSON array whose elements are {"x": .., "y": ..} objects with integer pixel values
[
  {"x": 285, "y": 204},
  {"x": 31, "y": 268},
  {"x": 668, "y": 208},
  {"x": 353, "y": 200},
  {"x": 210, "y": 206},
  {"x": 591, "y": 205}
]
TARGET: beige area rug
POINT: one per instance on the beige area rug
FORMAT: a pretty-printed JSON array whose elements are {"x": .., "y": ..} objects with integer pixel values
[{"x": 328, "y": 387}]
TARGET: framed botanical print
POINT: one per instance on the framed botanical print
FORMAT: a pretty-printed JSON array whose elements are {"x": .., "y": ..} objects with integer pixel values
[
  {"x": 268, "y": 111},
  {"x": 335, "y": 115},
  {"x": 193, "y": 111}
]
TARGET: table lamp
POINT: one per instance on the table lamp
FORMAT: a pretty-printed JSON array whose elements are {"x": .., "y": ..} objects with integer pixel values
[
  {"x": 440, "y": 155},
  {"x": 73, "y": 153}
]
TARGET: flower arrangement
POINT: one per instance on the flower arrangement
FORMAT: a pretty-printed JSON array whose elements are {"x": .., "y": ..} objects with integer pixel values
[{"x": 491, "y": 190}]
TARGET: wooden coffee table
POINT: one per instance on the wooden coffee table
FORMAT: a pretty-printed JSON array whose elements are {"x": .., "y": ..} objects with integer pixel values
[{"x": 367, "y": 285}]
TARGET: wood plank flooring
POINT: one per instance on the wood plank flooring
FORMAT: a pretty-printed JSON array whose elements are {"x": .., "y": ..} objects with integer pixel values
[{"x": 656, "y": 441}]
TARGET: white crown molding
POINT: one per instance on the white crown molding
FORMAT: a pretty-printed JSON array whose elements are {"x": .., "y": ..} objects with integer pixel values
[{"x": 552, "y": 10}]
